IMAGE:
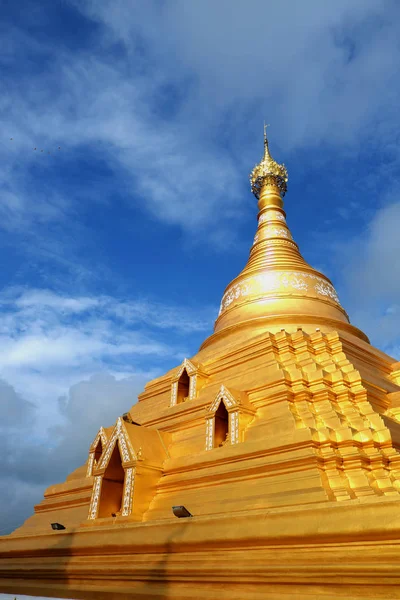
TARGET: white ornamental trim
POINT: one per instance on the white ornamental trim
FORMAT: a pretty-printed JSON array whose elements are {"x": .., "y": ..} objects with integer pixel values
[
  {"x": 209, "y": 434},
  {"x": 186, "y": 365},
  {"x": 94, "y": 503},
  {"x": 118, "y": 436},
  {"x": 109, "y": 449},
  {"x": 100, "y": 436},
  {"x": 124, "y": 447},
  {"x": 91, "y": 460},
  {"x": 223, "y": 396},
  {"x": 192, "y": 387},
  {"x": 234, "y": 427},
  {"x": 174, "y": 393},
  {"x": 128, "y": 492},
  {"x": 271, "y": 215},
  {"x": 90, "y": 465},
  {"x": 270, "y": 283},
  {"x": 272, "y": 231}
]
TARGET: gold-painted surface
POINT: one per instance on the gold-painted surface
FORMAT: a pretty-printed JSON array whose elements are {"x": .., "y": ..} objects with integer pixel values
[
  {"x": 277, "y": 284},
  {"x": 268, "y": 170},
  {"x": 302, "y": 498}
]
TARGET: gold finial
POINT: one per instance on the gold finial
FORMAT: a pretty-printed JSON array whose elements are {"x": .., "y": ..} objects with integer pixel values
[{"x": 266, "y": 169}]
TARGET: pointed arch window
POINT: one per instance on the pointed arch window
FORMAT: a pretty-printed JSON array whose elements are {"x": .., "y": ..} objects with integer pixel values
[
  {"x": 183, "y": 387},
  {"x": 189, "y": 377},
  {"x": 112, "y": 492},
  {"x": 227, "y": 418},
  {"x": 112, "y": 487},
  {"x": 221, "y": 426}
]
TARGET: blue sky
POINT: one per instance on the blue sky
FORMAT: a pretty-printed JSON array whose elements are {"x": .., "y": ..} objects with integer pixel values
[{"x": 118, "y": 240}]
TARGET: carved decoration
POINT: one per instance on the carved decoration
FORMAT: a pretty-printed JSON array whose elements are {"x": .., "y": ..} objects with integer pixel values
[
  {"x": 119, "y": 436},
  {"x": 94, "y": 502},
  {"x": 269, "y": 231},
  {"x": 268, "y": 171},
  {"x": 128, "y": 492},
  {"x": 271, "y": 215},
  {"x": 92, "y": 463},
  {"x": 240, "y": 412},
  {"x": 280, "y": 281},
  {"x": 196, "y": 375}
]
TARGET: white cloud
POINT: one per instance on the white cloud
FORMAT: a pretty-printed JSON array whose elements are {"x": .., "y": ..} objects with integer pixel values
[
  {"x": 97, "y": 401},
  {"x": 317, "y": 72},
  {"x": 50, "y": 341},
  {"x": 371, "y": 277},
  {"x": 45, "y": 298},
  {"x": 376, "y": 270},
  {"x": 315, "y": 69},
  {"x": 14, "y": 408},
  {"x": 113, "y": 119},
  {"x": 70, "y": 364}
]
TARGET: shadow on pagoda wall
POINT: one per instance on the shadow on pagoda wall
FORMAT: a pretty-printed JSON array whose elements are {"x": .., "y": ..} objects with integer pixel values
[{"x": 73, "y": 583}]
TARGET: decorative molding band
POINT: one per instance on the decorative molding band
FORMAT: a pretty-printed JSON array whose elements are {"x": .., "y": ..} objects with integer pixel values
[
  {"x": 271, "y": 215},
  {"x": 276, "y": 282}
]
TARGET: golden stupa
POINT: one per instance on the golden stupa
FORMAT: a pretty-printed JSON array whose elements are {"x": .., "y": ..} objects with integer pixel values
[{"x": 276, "y": 444}]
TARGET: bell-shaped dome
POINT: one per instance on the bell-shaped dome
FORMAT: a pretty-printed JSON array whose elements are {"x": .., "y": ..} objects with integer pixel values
[{"x": 278, "y": 288}]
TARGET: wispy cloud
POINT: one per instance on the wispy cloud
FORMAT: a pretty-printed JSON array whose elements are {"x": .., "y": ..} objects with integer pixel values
[
  {"x": 156, "y": 109},
  {"x": 371, "y": 276},
  {"x": 215, "y": 73},
  {"x": 316, "y": 69},
  {"x": 50, "y": 341},
  {"x": 68, "y": 365}
]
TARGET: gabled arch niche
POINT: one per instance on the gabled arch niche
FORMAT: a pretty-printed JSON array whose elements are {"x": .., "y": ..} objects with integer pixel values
[
  {"x": 186, "y": 382},
  {"x": 112, "y": 487},
  {"x": 114, "y": 477},
  {"x": 227, "y": 418},
  {"x": 183, "y": 387}
]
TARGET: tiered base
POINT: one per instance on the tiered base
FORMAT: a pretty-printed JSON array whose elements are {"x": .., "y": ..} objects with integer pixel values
[{"x": 345, "y": 550}]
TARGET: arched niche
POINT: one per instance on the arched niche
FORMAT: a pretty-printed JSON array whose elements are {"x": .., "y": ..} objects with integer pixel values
[
  {"x": 227, "y": 418},
  {"x": 221, "y": 426},
  {"x": 183, "y": 387},
  {"x": 112, "y": 487},
  {"x": 112, "y": 491},
  {"x": 187, "y": 380}
]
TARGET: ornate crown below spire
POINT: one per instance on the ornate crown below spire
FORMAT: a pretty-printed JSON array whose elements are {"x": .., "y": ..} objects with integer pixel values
[
  {"x": 277, "y": 289},
  {"x": 268, "y": 168}
]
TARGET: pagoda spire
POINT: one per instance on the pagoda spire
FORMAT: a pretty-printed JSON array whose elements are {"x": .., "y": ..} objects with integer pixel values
[
  {"x": 268, "y": 169},
  {"x": 277, "y": 288}
]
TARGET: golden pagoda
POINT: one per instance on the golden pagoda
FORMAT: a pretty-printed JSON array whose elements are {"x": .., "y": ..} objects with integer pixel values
[{"x": 265, "y": 466}]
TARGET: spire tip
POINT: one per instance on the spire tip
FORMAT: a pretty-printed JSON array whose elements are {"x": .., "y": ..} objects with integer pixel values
[
  {"x": 268, "y": 168},
  {"x": 265, "y": 133}
]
